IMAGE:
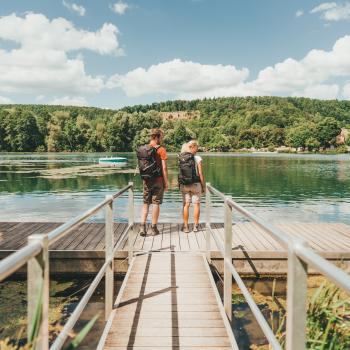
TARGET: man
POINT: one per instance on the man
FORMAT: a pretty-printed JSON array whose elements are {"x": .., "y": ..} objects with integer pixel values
[{"x": 154, "y": 187}]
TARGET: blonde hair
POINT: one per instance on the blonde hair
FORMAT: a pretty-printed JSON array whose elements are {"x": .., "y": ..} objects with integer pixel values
[
  {"x": 193, "y": 143},
  {"x": 186, "y": 147}
]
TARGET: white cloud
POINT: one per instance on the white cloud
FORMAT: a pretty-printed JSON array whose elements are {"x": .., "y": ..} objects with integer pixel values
[
  {"x": 315, "y": 68},
  {"x": 120, "y": 7},
  {"x": 179, "y": 77},
  {"x": 320, "y": 91},
  {"x": 36, "y": 31},
  {"x": 331, "y": 11},
  {"x": 79, "y": 9},
  {"x": 41, "y": 64},
  {"x": 299, "y": 13},
  {"x": 5, "y": 100},
  {"x": 346, "y": 91},
  {"x": 69, "y": 101},
  {"x": 309, "y": 77}
]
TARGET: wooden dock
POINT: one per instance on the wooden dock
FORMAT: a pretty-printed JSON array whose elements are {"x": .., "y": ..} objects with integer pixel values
[
  {"x": 168, "y": 301},
  {"x": 253, "y": 250}
]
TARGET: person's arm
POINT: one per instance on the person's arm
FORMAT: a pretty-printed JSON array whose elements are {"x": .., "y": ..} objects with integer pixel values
[
  {"x": 201, "y": 176},
  {"x": 165, "y": 174}
]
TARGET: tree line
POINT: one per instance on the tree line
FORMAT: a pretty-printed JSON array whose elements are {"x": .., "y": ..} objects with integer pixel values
[{"x": 225, "y": 124}]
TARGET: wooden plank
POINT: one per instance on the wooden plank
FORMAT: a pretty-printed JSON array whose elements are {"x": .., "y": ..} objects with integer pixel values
[
  {"x": 324, "y": 236},
  {"x": 246, "y": 241},
  {"x": 64, "y": 242},
  {"x": 174, "y": 237},
  {"x": 259, "y": 235},
  {"x": 342, "y": 238},
  {"x": 185, "y": 246},
  {"x": 169, "y": 341},
  {"x": 163, "y": 348},
  {"x": 166, "y": 237},
  {"x": 89, "y": 229},
  {"x": 12, "y": 234},
  {"x": 315, "y": 241},
  {"x": 164, "y": 306},
  {"x": 21, "y": 233},
  {"x": 96, "y": 234},
  {"x": 166, "y": 332}
]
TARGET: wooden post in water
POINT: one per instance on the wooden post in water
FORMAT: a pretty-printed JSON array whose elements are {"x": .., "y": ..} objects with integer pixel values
[
  {"x": 38, "y": 293},
  {"x": 109, "y": 243},
  {"x": 227, "y": 258},
  {"x": 296, "y": 301},
  {"x": 131, "y": 220},
  {"x": 207, "y": 221}
]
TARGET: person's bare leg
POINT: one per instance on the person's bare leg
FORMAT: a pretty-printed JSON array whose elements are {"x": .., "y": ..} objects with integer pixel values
[
  {"x": 186, "y": 211},
  {"x": 155, "y": 213},
  {"x": 144, "y": 214},
  {"x": 196, "y": 213}
]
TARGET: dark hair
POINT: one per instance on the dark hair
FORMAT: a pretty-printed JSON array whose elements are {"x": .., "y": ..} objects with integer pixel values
[{"x": 156, "y": 133}]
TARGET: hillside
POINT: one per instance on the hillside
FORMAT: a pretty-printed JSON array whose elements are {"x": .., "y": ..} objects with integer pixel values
[{"x": 223, "y": 124}]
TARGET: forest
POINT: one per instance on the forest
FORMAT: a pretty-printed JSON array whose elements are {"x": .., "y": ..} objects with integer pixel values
[{"x": 222, "y": 124}]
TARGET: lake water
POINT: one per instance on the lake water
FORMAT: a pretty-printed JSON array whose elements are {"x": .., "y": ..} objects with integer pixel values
[{"x": 56, "y": 187}]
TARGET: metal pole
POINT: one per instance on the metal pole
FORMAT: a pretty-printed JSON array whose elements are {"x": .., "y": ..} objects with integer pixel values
[
  {"x": 131, "y": 210},
  {"x": 296, "y": 301},
  {"x": 109, "y": 243},
  {"x": 228, "y": 257},
  {"x": 207, "y": 221},
  {"x": 38, "y": 294}
]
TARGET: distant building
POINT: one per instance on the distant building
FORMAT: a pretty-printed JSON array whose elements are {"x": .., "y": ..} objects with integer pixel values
[
  {"x": 180, "y": 115},
  {"x": 343, "y": 136}
]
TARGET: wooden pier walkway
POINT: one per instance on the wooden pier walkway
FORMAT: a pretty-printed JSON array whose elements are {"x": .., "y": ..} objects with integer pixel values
[
  {"x": 253, "y": 250},
  {"x": 168, "y": 301}
]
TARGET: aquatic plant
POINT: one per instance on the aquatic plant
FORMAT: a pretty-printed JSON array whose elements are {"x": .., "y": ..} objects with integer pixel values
[{"x": 328, "y": 319}]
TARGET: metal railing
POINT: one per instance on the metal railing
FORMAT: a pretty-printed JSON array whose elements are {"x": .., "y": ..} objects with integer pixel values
[
  {"x": 299, "y": 257},
  {"x": 36, "y": 256}
]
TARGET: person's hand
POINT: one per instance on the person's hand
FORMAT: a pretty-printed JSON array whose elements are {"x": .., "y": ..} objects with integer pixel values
[
  {"x": 166, "y": 187},
  {"x": 203, "y": 189}
]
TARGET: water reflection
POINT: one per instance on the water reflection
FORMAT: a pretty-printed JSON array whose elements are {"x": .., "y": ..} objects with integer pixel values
[{"x": 288, "y": 187}]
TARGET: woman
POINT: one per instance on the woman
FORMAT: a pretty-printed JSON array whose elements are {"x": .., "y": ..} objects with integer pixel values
[{"x": 191, "y": 181}]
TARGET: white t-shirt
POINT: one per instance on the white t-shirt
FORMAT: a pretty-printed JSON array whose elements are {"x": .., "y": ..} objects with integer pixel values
[{"x": 197, "y": 159}]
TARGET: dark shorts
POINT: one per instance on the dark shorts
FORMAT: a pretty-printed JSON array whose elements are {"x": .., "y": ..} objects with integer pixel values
[{"x": 153, "y": 191}]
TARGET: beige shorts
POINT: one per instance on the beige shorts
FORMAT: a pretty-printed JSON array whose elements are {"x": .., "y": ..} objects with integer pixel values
[{"x": 191, "y": 193}]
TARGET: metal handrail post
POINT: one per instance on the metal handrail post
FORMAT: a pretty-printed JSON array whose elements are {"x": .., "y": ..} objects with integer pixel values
[
  {"x": 38, "y": 292},
  {"x": 296, "y": 300},
  {"x": 207, "y": 221},
  {"x": 228, "y": 257},
  {"x": 109, "y": 244},
  {"x": 131, "y": 218}
]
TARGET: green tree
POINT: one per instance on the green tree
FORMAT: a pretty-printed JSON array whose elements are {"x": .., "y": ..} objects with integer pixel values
[{"x": 327, "y": 130}]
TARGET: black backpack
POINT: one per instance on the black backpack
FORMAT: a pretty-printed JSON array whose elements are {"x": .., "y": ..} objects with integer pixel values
[
  {"x": 187, "y": 169},
  {"x": 147, "y": 160}
]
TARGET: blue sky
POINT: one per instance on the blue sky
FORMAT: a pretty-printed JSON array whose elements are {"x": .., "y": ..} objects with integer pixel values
[{"x": 117, "y": 53}]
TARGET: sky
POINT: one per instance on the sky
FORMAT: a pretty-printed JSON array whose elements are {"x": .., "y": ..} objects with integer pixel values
[{"x": 111, "y": 54}]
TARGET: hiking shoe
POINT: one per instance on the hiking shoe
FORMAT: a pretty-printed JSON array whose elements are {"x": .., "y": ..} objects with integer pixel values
[
  {"x": 143, "y": 230},
  {"x": 185, "y": 229},
  {"x": 154, "y": 230},
  {"x": 195, "y": 228}
]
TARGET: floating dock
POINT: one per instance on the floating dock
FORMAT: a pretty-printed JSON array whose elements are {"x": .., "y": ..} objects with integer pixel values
[{"x": 254, "y": 251}]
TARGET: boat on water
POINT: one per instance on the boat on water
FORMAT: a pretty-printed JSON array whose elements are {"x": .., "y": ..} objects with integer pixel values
[{"x": 113, "y": 161}]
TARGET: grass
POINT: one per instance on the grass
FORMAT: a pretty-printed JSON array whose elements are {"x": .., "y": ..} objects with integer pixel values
[{"x": 328, "y": 320}]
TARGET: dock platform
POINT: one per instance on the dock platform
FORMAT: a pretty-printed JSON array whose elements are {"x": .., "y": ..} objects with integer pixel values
[{"x": 253, "y": 250}]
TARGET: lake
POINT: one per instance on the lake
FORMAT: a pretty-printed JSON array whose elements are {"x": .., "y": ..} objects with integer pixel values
[{"x": 56, "y": 187}]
